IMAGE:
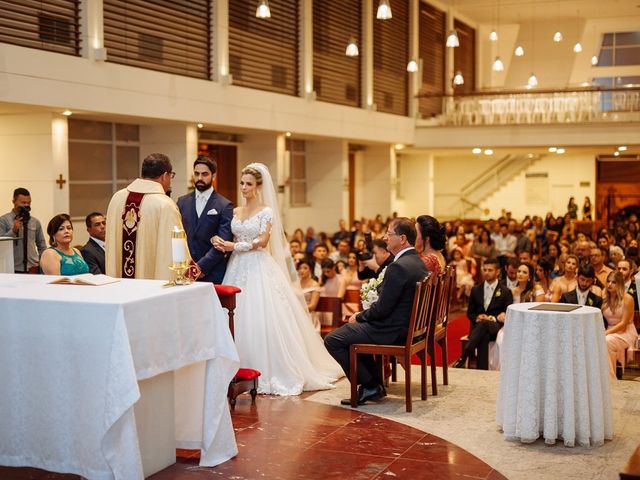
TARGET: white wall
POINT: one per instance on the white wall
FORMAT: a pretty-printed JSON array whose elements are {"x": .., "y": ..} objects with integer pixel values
[
  {"x": 565, "y": 174},
  {"x": 83, "y": 85},
  {"x": 27, "y": 160},
  {"x": 416, "y": 185},
  {"x": 373, "y": 182},
  {"x": 326, "y": 161},
  {"x": 177, "y": 142}
]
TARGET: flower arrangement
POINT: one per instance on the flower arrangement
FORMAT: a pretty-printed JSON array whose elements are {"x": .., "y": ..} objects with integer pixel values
[{"x": 369, "y": 290}]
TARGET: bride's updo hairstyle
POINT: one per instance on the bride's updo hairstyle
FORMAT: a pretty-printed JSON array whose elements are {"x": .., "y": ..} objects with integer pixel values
[
  {"x": 255, "y": 173},
  {"x": 430, "y": 228}
]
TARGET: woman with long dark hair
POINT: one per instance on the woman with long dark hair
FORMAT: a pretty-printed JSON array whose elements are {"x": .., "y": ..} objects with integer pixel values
[{"x": 430, "y": 242}]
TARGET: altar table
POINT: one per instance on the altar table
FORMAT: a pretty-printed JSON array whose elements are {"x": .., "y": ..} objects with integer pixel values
[{"x": 72, "y": 357}]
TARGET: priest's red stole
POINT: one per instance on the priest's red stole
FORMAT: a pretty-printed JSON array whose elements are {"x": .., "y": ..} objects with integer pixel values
[{"x": 130, "y": 219}]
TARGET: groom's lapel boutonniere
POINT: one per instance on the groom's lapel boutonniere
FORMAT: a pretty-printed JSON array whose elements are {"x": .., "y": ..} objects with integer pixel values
[
  {"x": 498, "y": 292},
  {"x": 590, "y": 300}
]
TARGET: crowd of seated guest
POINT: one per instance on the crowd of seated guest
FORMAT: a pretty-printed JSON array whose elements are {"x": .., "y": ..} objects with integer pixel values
[{"x": 538, "y": 259}]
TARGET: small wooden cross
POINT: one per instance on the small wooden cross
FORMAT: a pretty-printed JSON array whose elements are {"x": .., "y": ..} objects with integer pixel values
[{"x": 61, "y": 181}]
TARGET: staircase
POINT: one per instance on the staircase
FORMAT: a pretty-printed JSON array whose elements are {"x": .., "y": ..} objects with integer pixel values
[{"x": 489, "y": 181}]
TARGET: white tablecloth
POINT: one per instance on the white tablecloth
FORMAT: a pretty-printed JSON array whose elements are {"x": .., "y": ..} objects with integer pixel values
[
  {"x": 70, "y": 358},
  {"x": 6, "y": 255},
  {"x": 554, "y": 379}
]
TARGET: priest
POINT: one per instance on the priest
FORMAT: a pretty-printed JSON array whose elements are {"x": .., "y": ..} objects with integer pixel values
[{"x": 140, "y": 219}]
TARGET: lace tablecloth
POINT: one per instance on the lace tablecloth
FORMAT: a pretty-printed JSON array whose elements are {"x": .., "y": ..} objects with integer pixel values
[
  {"x": 554, "y": 379},
  {"x": 70, "y": 359}
]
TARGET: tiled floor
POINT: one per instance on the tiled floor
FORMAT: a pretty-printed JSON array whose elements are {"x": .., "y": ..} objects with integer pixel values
[{"x": 291, "y": 438}]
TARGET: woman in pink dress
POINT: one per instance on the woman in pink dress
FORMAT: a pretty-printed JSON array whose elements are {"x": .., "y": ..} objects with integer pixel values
[
  {"x": 430, "y": 241},
  {"x": 617, "y": 310},
  {"x": 350, "y": 276}
]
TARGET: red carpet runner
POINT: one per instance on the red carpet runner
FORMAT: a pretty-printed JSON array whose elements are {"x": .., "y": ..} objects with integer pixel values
[{"x": 458, "y": 328}]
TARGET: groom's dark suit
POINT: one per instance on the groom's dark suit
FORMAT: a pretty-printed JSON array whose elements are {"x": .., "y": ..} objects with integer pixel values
[
  {"x": 385, "y": 322},
  {"x": 214, "y": 220}
]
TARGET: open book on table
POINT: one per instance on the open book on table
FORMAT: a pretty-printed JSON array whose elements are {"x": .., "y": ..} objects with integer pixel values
[{"x": 85, "y": 279}]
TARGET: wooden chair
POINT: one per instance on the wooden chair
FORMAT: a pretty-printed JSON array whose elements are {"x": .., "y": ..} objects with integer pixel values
[
  {"x": 331, "y": 305},
  {"x": 440, "y": 321},
  {"x": 246, "y": 379},
  {"x": 352, "y": 297},
  {"x": 416, "y": 343}
]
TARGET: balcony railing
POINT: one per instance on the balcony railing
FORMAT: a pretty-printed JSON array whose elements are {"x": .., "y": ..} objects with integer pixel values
[{"x": 540, "y": 107}]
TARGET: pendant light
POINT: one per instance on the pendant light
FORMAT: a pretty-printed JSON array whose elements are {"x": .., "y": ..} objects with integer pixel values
[
  {"x": 557, "y": 37},
  {"x": 263, "y": 9},
  {"x": 453, "y": 40},
  {"x": 577, "y": 48},
  {"x": 533, "y": 80},
  {"x": 594, "y": 60},
  {"x": 519, "y": 52},
  {"x": 458, "y": 79},
  {"x": 384, "y": 10},
  {"x": 498, "y": 66},
  {"x": 412, "y": 66},
  {"x": 352, "y": 48},
  {"x": 493, "y": 36}
]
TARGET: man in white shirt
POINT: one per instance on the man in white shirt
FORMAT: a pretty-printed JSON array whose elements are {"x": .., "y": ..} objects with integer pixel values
[
  {"x": 505, "y": 244},
  {"x": 93, "y": 251},
  {"x": 628, "y": 270}
]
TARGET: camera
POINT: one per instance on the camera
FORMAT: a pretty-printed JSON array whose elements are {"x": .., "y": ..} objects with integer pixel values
[
  {"x": 364, "y": 255},
  {"x": 24, "y": 213}
]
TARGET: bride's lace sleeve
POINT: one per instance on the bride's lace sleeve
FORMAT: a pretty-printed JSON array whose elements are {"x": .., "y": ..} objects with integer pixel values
[{"x": 266, "y": 218}]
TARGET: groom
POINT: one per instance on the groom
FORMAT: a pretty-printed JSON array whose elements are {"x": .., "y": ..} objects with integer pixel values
[
  {"x": 206, "y": 213},
  {"x": 387, "y": 320}
]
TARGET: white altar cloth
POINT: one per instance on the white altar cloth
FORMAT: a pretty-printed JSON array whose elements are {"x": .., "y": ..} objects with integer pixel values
[
  {"x": 70, "y": 359},
  {"x": 554, "y": 378}
]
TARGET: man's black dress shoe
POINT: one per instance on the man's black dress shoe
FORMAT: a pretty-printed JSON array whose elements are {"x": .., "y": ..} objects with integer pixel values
[
  {"x": 366, "y": 394},
  {"x": 459, "y": 363}
]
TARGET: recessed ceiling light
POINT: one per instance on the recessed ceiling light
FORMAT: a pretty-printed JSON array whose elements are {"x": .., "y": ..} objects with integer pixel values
[
  {"x": 67, "y": 113},
  {"x": 287, "y": 134},
  {"x": 560, "y": 151},
  {"x": 477, "y": 150},
  {"x": 552, "y": 149},
  {"x": 200, "y": 125},
  {"x": 399, "y": 146},
  {"x": 622, "y": 148},
  {"x": 488, "y": 151}
]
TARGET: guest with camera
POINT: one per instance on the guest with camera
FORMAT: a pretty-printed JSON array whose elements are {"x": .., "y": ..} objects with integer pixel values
[
  {"x": 19, "y": 223},
  {"x": 372, "y": 262}
]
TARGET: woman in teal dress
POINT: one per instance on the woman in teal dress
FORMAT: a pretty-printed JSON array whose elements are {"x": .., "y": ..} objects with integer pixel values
[{"x": 61, "y": 258}]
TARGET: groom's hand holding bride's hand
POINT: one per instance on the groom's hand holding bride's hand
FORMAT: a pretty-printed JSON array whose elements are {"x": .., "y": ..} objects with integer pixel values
[
  {"x": 219, "y": 243},
  {"x": 352, "y": 318}
]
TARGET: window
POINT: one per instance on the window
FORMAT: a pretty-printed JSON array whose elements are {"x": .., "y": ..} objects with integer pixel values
[
  {"x": 103, "y": 158},
  {"x": 336, "y": 77},
  {"x": 297, "y": 172},
  {"x": 620, "y": 48},
  {"x": 616, "y": 101},
  {"x": 390, "y": 57},
  {"x": 52, "y": 25},
  {"x": 168, "y": 36},
  {"x": 431, "y": 45},
  {"x": 263, "y": 53}
]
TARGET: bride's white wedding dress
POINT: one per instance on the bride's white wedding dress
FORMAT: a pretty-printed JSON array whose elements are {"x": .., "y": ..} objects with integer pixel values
[{"x": 273, "y": 330}]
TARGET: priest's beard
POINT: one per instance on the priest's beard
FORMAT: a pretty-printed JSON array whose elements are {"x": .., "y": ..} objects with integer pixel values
[{"x": 202, "y": 186}]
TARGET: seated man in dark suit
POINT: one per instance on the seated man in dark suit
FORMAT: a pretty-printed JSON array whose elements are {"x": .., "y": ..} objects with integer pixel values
[
  {"x": 93, "y": 251},
  {"x": 487, "y": 310},
  {"x": 582, "y": 294},
  {"x": 386, "y": 321},
  {"x": 205, "y": 214}
]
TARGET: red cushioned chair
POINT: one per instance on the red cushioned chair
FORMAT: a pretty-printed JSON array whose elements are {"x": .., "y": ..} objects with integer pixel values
[{"x": 246, "y": 379}]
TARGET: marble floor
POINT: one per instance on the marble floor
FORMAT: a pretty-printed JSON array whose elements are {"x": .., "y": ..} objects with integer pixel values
[{"x": 292, "y": 438}]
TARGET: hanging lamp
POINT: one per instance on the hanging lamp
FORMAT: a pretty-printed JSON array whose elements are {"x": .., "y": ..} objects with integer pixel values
[
  {"x": 384, "y": 10},
  {"x": 352, "y": 48},
  {"x": 263, "y": 10}
]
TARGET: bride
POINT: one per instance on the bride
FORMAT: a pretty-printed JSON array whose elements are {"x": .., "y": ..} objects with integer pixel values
[{"x": 273, "y": 330}]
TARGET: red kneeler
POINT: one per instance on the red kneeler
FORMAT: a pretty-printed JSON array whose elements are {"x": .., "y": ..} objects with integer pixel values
[{"x": 246, "y": 379}]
